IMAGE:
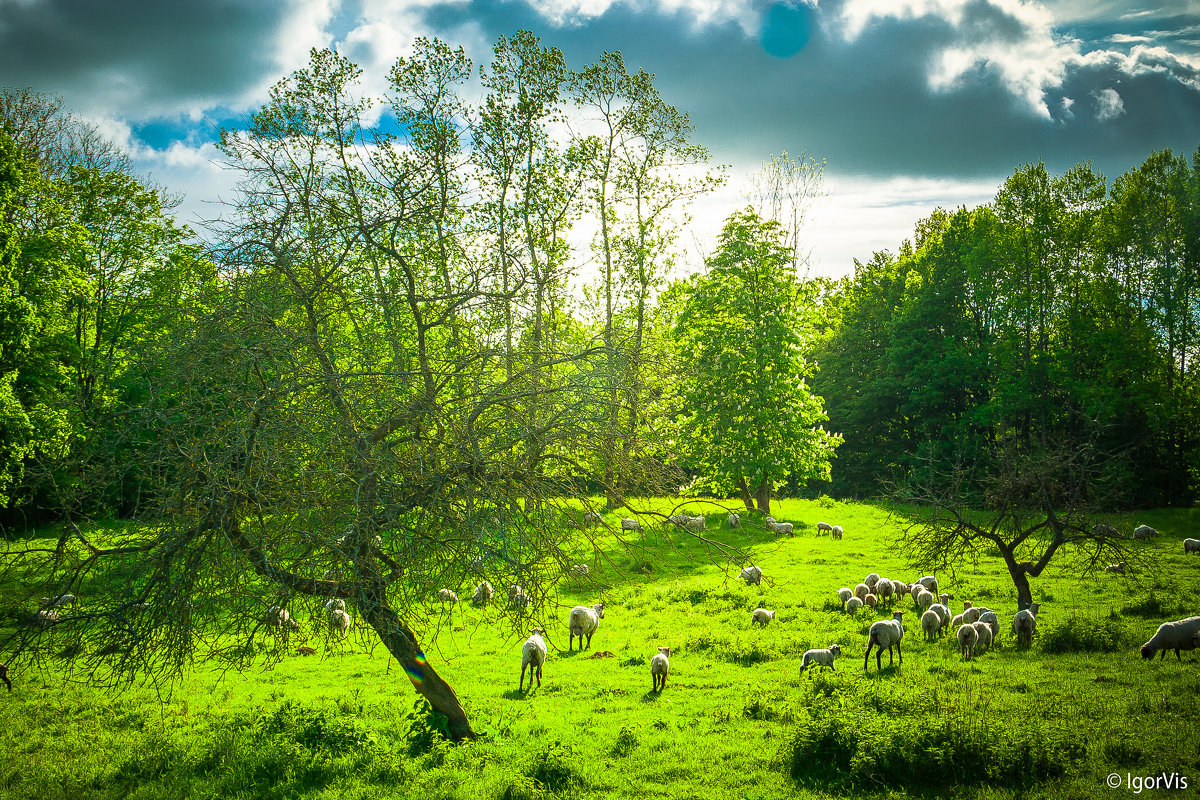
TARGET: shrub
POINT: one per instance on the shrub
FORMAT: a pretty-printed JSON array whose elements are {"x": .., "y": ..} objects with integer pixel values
[
  {"x": 553, "y": 768},
  {"x": 427, "y": 729},
  {"x": 1076, "y": 635}
]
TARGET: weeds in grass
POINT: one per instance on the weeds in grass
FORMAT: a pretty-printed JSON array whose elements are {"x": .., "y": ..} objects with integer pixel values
[{"x": 1080, "y": 635}]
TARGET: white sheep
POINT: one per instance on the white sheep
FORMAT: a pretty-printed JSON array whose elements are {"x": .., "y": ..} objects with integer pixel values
[
  {"x": 769, "y": 520},
  {"x": 44, "y": 618},
  {"x": 1024, "y": 625},
  {"x": 820, "y": 658},
  {"x": 447, "y": 596},
  {"x": 338, "y": 604},
  {"x": 971, "y": 613},
  {"x": 929, "y": 582},
  {"x": 844, "y": 594},
  {"x": 580, "y": 570},
  {"x": 836, "y": 533},
  {"x": 885, "y": 633},
  {"x": 883, "y": 588},
  {"x": 958, "y": 622},
  {"x": 483, "y": 594},
  {"x": 871, "y": 580},
  {"x": 1144, "y": 532},
  {"x": 517, "y": 598},
  {"x": 824, "y": 526},
  {"x": 983, "y": 634},
  {"x": 631, "y": 524},
  {"x": 943, "y": 612},
  {"x": 1182, "y": 634},
  {"x": 861, "y": 590},
  {"x": 278, "y": 617},
  {"x": 853, "y": 604},
  {"x": 735, "y": 521},
  {"x": 533, "y": 655},
  {"x": 762, "y": 616},
  {"x": 1116, "y": 569},
  {"x": 1100, "y": 529},
  {"x": 591, "y": 518},
  {"x": 696, "y": 524},
  {"x": 781, "y": 527},
  {"x": 339, "y": 622},
  {"x": 870, "y": 601},
  {"x": 660, "y": 666},
  {"x": 900, "y": 588},
  {"x": 931, "y": 623},
  {"x": 967, "y": 638},
  {"x": 752, "y": 575},
  {"x": 924, "y": 599},
  {"x": 1191, "y": 546},
  {"x": 679, "y": 520},
  {"x": 583, "y": 622},
  {"x": 989, "y": 618}
]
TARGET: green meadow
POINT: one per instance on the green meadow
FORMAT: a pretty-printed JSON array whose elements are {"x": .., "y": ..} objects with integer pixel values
[{"x": 736, "y": 718}]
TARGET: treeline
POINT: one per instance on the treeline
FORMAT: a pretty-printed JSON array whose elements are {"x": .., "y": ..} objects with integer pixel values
[{"x": 1062, "y": 316}]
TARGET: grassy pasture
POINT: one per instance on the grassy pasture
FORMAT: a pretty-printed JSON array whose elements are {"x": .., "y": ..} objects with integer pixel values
[{"x": 736, "y": 719}]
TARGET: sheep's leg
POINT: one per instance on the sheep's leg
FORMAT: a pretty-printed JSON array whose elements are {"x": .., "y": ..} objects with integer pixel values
[
  {"x": 899, "y": 653},
  {"x": 521, "y": 683},
  {"x": 589, "y": 644},
  {"x": 539, "y": 676},
  {"x": 867, "y": 655},
  {"x": 664, "y": 681},
  {"x": 1177, "y": 658}
]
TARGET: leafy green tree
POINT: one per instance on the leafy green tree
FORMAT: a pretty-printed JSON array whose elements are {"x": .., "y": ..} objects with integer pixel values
[{"x": 751, "y": 422}]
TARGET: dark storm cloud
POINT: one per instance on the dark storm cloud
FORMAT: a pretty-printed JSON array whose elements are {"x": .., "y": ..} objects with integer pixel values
[
  {"x": 868, "y": 104},
  {"x": 140, "y": 57}
]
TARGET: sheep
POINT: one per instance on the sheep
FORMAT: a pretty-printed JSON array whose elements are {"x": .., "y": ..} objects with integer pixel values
[
  {"x": 1100, "y": 529},
  {"x": 517, "y": 598},
  {"x": 278, "y": 617},
  {"x": 339, "y": 622},
  {"x": 769, "y": 520},
  {"x": 752, "y": 575},
  {"x": 844, "y": 594},
  {"x": 591, "y": 518},
  {"x": 338, "y": 604},
  {"x": 678, "y": 520},
  {"x": 853, "y": 604},
  {"x": 931, "y": 623},
  {"x": 957, "y": 622},
  {"x": 696, "y": 524},
  {"x": 820, "y": 658},
  {"x": 762, "y": 616},
  {"x": 983, "y": 633},
  {"x": 735, "y": 521},
  {"x": 631, "y": 524},
  {"x": 924, "y": 599},
  {"x": 483, "y": 594},
  {"x": 1116, "y": 569},
  {"x": 883, "y": 589},
  {"x": 861, "y": 591},
  {"x": 899, "y": 588},
  {"x": 1024, "y": 624},
  {"x": 583, "y": 622},
  {"x": 836, "y": 533},
  {"x": 1178, "y": 635},
  {"x": 967, "y": 638},
  {"x": 929, "y": 582},
  {"x": 579, "y": 570},
  {"x": 871, "y": 580},
  {"x": 989, "y": 618},
  {"x": 44, "y": 619},
  {"x": 971, "y": 613},
  {"x": 660, "y": 666},
  {"x": 943, "y": 613},
  {"x": 944, "y": 599},
  {"x": 824, "y": 526},
  {"x": 1144, "y": 532},
  {"x": 447, "y": 596},
  {"x": 533, "y": 655},
  {"x": 885, "y": 633},
  {"x": 870, "y": 600},
  {"x": 781, "y": 527},
  {"x": 1191, "y": 546},
  {"x": 59, "y": 602}
]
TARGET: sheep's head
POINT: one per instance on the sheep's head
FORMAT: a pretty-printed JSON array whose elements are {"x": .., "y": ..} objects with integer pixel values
[
  {"x": 835, "y": 649},
  {"x": 666, "y": 651},
  {"x": 599, "y": 609},
  {"x": 537, "y": 632},
  {"x": 1147, "y": 651}
]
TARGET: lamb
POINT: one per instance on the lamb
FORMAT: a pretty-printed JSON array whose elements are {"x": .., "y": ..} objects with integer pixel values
[
  {"x": 735, "y": 521},
  {"x": 924, "y": 599},
  {"x": 752, "y": 575},
  {"x": 820, "y": 658},
  {"x": 1191, "y": 546},
  {"x": 631, "y": 524},
  {"x": 1117, "y": 569},
  {"x": 844, "y": 594},
  {"x": 781, "y": 527},
  {"x": 900, "y": 588},
  {"x": 1024, "y": 624},
  {"x": 861, "y": 591},
  {"x": 836, "y": 533},
  {"x": 579, "y": 570},
  {"x": 824, "y": 526},
  {"x": 885, "y": 633},
  {"x": 853, "y": 604},
  {"x": 583, "y": 622},
  {"x": 339, "y": 622},
  {"x": 983, "y": 634},
  {"x": 967, "y": 638},
  {"x": 762, "y": 616},
  {"x": 533, "y": 655},
  {"x": 660, "y": 666},
  {"x": 483, "y": 594},
  {"x": 931, "y": 623},
  {"x": 1182, "y": 634},
  {"x": 870, "y": 600},
  {"x": 1144, "y": 532}
]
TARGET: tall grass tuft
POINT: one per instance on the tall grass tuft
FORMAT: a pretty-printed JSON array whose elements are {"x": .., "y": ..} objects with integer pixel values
[{"x": 1084, "y": 635}]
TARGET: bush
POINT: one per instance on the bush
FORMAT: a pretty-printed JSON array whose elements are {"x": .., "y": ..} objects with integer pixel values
[
  {"x": 553, "y": 768},
  {"x": 1077, "y": 635}
]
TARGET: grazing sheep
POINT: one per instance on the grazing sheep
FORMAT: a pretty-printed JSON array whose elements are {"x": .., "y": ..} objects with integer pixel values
[
  {"x": 871, "y": 580},
  {"x": 924, "y": 599},
  {"x": 447, "y": 596},
  {"x": 762, "y": 616},
  {"x": 931, "y": 623},
  {"x": 870, "y": 601},
  {"x": 43, "y": 619},
  {"x": 883, "y": 589},
  {"x": 476, "y": 565},
  {"x": 836, "y": 533},
  {"x": 943, "y": 613},
  {"x": 820, "y": 658},
  {"x": 844, "y": 594},
  {"x": 957, "y": 622},
  {"x": 861, "y": 591},
  {"x": 1182, "y": 634},
  {"x": 930, "y": 583},
  {"x": 983, "y": 633},
  {"x": 853, "y": 604},
  {"x": 967, "y": 638},
  {"x": 278, "y": 617},
  {"x": 885, "y": 633},
  {"x": 781, "y": 527},
  {"x": 660, "y": 666},
  {"x": 339, "y": 622},
  {"x": 517, "y": 598},
  {"x": 579, "y": 570},
  {"x": 1024, "y": 625},
  {"x": 533, "y": 655},
  {"x": 631, "y": 524},
  {"x": 735, "y": 521},
  {"x": 971, "y": 613},
  {"x": 1144, "y": 532},
  {"x": 900, "y": 588},
  {"x": 583, "y": 622},
  {"x": 751, "y": 575},
  {"x": 989, "y": 618},
  {"x": 338, "y": 604},
  {"x": 58, "y": 602},
  {"x": 1191, "y": 546},
  {"x": 483, "y": 594},
  {"x": 824, "y": 526},
  {"x": 1116, "y": 569},
  {"x": 591, "y": 518},
  {"x": 1100, "y": 529},
  {"x": 696, "y": 524},
  {"x": 678, "y": 519}
]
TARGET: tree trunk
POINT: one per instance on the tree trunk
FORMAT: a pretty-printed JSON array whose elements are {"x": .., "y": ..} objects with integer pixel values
[
  {"x": 1024, "y": 593},
  {"x": 763, "y": 496},
  {"x": 403, "y": 646},
  {"x": 745, "y": 492}
]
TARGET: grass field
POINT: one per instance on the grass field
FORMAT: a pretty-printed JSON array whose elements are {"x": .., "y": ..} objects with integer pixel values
[{"x": 736, "y": 719}]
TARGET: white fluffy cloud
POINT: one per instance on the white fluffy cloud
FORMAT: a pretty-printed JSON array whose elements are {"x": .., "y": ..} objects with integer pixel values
[{"x": 1108, "y": 104}]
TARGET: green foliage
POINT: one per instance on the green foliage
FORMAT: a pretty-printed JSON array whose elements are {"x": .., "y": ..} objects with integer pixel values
[{"x": 1084, "y": 635}]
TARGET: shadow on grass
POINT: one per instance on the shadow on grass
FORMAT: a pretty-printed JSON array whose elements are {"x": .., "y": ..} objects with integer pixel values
[{"x": 652, "y": 696}]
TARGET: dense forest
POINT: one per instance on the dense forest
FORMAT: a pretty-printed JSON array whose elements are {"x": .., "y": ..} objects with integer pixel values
[{"x": 396, "y": 314}]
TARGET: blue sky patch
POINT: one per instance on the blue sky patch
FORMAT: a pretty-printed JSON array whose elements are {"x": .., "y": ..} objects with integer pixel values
[{"x": 787, "y": 29}]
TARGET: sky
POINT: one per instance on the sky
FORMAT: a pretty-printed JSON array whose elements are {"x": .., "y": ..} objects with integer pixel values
[{"x": 911, "y": 104}]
